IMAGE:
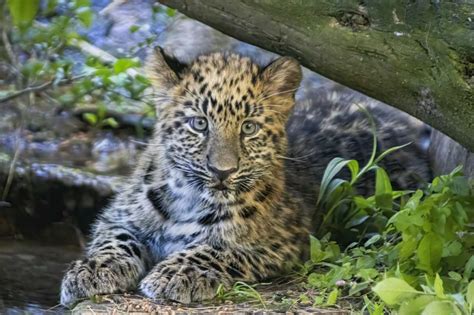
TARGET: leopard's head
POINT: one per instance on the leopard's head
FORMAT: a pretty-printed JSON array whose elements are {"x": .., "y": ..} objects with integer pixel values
[{"x": 221, "y": 119}]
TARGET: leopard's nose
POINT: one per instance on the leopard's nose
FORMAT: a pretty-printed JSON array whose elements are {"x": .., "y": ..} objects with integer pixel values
[{"x": 221, "y": 174}]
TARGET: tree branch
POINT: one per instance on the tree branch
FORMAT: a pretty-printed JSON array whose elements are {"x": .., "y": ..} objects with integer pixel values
[{"x": 39, "y": 88}]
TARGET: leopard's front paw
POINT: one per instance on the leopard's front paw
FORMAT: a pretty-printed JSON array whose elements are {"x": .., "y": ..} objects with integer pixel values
[
  {"x": 89, "y": 277},
  {"x": 183, "y": 283}
]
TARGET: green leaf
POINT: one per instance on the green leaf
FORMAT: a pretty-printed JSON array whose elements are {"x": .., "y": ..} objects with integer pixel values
[
  {"x": 441, "y": 308},
  {"x": 90, "y": 118},
  {"x": 134, "y": 28},
  {"x": 333, "y": 168},
  {"x": 470, "y": 293},
  {"x": 365, "y": 262},
  {"x": 416, "y": 305},
  {"x": 23, "y": 12},
  {"x": 316, "y": 252},
  {"x": 393, "y": 290},
  {"x": 353, "y": 166},
  {"x": 374, "y": 239},
  {"x": 81, "y": 3},
  {"x": 332, "y": 297},
  {"x": 85, "y": 15},
  {"x": 453, "y": 248},
  {"x": 469, "y": 268},
  {"x": 460, "y": 186},
  {"x": 110, "y": 122},
  {"x": 383, "y": 189},
  {"x": 429, "y": 252},
  {"x": 455, "y": 276},
  {"x": 123, "y": 64},
  {"x": 367, "y": 274},
  {"x": 391, "y": 150},
  {"x": 51, "y": 6},
  {"x": 315, "y": 280},
  {"x": 438, "y": 287},
  {"x": 170, "y": 12},
  {"x": 362, "y": 203}
]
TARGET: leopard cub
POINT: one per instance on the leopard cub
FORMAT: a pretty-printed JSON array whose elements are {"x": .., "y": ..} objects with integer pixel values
[{"x": 216, "y": 196}]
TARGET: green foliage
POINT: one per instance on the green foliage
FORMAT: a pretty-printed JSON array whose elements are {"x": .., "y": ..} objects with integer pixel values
[
  {"x": 69, "y": 82},
  {"x": 415, "y": 249},
  {"x": 344, "y": 208},
  {"x": 23, "y": 11}
]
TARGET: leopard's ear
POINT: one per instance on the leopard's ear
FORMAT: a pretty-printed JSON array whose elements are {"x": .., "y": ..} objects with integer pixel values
[
  {"x": 281, "y": 77},
  {"x": 163, "y": 70}
]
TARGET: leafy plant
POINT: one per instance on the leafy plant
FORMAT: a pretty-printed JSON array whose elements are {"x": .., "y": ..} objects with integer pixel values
[
  {"x": 37, "y": 38},
  {"x": 344, "y": 208},
  {"x": 415, "y": 249}
]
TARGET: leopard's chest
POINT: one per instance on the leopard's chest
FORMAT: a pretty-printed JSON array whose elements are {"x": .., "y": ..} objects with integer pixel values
[{"x": 201, "y": 225}]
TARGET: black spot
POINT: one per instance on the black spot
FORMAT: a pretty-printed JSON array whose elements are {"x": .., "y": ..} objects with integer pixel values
[
  {"x": 124, "y": 237},
  {"x": 202, "y": 256},
  {"x": 275, "y": 139},
  {"x": 149, "y": 173},
  {"x": 195, "y": 261},
  {"x": 269, "y": 120},
  {"x": 213, "y": 218},
  {"x": 106, "y": 263},
  {"x": 92, "y": 264},
  {"x": 187, "y": 270},
  {"x": 136, "y": 250},
  {"x": 261, "y": 196},
  {"x": 155, "y": 197},
  {"x": 254, "y": 79},
  {"x": 275, "y": 246},
  {"x": 106, "y": 248},
  {"x": 247, "y": 212},
  {"x": 272, "y": 267},
  {"x": 235, "y": 271},
  {"x": 205, "y": 103},
  {"x": 215, "y": 266},
  {"x": 203, "y": 88},
  {"x": 126, "y": 249},
  {"x": 250, "y": 92},
  {"x": 177, "y": 124}
]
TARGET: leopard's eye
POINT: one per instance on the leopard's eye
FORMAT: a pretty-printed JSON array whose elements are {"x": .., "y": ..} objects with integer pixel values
[
  {"x": 249, "y": 128},
  {"x": 198, "y": 123}
]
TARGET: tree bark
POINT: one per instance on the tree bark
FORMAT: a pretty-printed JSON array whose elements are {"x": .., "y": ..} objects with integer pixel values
[
  {"x": 446, "y": 154},
  {"x": 417, "y": 56}
]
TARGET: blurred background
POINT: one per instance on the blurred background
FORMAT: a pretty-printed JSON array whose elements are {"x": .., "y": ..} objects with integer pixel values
[{"x": 74, "y": 116}]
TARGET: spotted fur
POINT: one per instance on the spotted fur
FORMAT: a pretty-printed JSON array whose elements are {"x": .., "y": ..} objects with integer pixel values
[{"x": 205, "y": 208}]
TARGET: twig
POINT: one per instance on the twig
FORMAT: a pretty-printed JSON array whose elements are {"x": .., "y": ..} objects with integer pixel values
[{"x": 39, "y": 88}]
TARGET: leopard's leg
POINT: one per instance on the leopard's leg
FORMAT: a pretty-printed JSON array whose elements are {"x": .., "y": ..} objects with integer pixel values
[
  {"x": 115, "y": 262},
  {"x": 195, "y": 274}
]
